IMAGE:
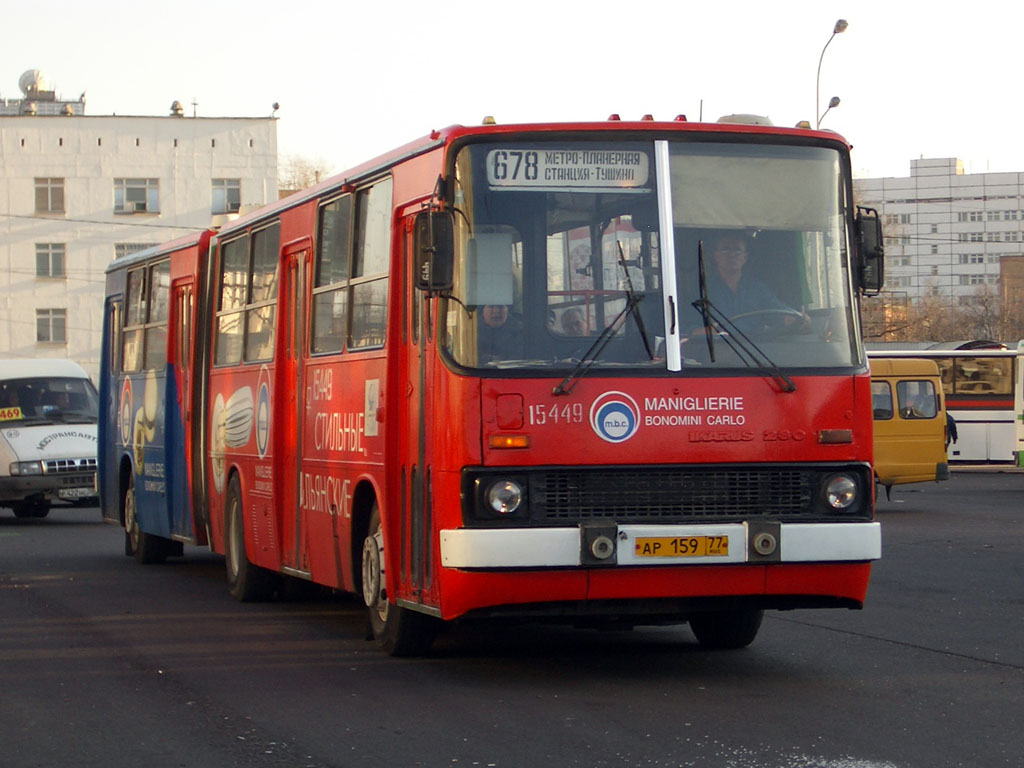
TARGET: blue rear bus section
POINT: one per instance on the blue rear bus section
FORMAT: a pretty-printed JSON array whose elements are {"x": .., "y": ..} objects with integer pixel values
[{"x": 141, "y": 428}]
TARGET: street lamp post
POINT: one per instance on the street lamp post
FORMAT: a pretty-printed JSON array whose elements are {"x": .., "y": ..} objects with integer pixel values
[
  {"x": 839, "y": 28},
  {"x": 833, "y": 102}
]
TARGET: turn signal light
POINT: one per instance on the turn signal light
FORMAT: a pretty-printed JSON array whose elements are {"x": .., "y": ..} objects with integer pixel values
[
  {"x": 509, "y": 441},
  {"x": 835, "y": 436}
]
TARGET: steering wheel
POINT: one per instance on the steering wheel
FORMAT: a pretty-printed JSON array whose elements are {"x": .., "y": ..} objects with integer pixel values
[{"x": 772, "y": 322}]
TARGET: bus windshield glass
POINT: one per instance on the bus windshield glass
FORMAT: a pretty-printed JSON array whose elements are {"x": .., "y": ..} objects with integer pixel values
[
  {"x": 570, "y": 251},
  {"x": 48, "y": 400}
]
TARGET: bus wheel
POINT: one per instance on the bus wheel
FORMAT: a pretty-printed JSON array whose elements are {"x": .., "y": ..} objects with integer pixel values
[
  {"x": 725, "y": 630},
  {"x": 399, "y": 631},
  {"x": 247, "y": 583},
  {"x": 23, "y": 509},
  {"x": 147, "y": 548}
]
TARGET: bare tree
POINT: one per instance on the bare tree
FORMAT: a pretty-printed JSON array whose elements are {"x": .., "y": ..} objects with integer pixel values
[{"x": 295, "y": 172}]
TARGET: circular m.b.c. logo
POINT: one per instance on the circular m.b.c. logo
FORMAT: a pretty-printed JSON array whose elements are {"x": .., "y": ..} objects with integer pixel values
[{"x": 615, "y": 417}]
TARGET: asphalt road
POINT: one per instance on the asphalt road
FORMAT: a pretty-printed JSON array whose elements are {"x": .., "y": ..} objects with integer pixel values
[{"x": 107, "y": 663}]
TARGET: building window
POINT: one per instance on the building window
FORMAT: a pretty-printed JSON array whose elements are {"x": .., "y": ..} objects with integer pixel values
[
  {"x": 961, "y": 216},
  {"x": 49, "y": 195},
  {"x": 935, "y": 249},
  {"x": 227, "y": 195},
  {"x": 52, "y": 325},
  {"x": 977, "y": 216},
  {"x": 50, "y": 260},
  {"x": 136, "y": 196}
]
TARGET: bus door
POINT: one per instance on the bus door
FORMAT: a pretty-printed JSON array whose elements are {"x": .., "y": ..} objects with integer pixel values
[
  {"x": 288, "y": 403},
  {"x": 179, "y": 409},
  {"x": 418, "y": 411},
  {"x": 110, "y": 440}
]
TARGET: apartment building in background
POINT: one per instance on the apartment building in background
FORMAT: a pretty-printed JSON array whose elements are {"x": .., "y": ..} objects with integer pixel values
[
  {"x": 949, "y": 234},
  {"x": 76, "y": 191}
]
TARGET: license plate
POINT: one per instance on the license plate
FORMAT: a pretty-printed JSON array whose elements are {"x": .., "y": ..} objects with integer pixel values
[
  {"x": 75, "y": 493},
  {"x": 681, "y": 546}
]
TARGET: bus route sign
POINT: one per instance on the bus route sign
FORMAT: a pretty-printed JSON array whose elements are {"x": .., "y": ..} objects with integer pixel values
[{"x": 527, "y": 168}]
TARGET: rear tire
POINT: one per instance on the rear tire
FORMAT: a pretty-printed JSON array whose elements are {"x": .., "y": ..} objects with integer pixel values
[
  {"x": 147, "y": 548},
  {"x": 726, "y": 630},
  {"x": 247, "y": 583},
  {"x": 398, "y": 631}
]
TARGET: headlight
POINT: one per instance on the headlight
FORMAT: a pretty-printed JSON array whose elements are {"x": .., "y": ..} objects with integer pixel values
[
  {"x": 22, "y": 468},
  {"x": 841, "y": 492},
  {"x": 505, "y": 497}
]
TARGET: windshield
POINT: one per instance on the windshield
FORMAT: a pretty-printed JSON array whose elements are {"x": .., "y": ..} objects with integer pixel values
[
  {"x": 571, "y": 253},
  {"x": 47, "y": 400}
]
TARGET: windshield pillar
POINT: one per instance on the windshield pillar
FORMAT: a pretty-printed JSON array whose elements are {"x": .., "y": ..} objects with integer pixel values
[{"x": 666, "y": 233}]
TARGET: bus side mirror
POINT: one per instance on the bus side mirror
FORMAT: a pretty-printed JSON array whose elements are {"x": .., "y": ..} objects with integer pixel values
[
  {"x": 434, "y": 242},
  {"x": 872, "y": 254}
]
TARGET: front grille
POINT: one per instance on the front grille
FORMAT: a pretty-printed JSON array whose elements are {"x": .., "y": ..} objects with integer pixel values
[
  {"x": 59, "y": 466},
  {"x": 669, "y": 494},
  {"x": 665, "y": 494}
]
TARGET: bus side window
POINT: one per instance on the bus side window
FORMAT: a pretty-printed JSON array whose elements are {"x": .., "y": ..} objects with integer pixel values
[{"x": 881, "y": 399}]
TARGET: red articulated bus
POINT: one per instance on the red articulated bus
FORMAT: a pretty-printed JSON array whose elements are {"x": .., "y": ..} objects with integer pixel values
[{"x": 586, "y": 372}]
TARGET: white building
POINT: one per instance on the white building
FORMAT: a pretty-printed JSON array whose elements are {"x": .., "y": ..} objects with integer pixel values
[
  {"x": 77, "y": 190},
  {"x": 947, "y": 233}
]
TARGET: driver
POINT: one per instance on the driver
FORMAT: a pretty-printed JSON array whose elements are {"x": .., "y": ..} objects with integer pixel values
[{"x": 734, "y": 293}]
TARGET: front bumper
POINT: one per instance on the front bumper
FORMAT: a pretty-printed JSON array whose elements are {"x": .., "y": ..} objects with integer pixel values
[
  {"x": 70, "y": 486},
  {"x": 567, "y": 547}
]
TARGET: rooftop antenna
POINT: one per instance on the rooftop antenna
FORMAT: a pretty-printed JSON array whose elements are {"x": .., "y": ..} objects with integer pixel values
[{"x": 195, "y": 106}]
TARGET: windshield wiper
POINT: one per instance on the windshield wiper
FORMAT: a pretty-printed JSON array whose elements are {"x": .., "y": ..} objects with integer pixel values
[
  {"x": 635, "y": 299},
  {"x": 703, "y": 305},
  {"x": 594, "y": 351},
  {"x": 746, "y": 350},
  {"x": 590, "y": 356}
]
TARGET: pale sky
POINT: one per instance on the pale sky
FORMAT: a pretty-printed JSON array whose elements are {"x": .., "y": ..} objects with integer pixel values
[{"x": 357, "y": 78}]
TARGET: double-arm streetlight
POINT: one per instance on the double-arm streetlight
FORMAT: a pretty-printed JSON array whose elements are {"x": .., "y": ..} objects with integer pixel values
[{"x": 839, "y": 27}]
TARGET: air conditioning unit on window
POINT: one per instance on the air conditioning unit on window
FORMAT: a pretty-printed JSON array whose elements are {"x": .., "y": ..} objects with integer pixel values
[
  {"x": 140, "y": 206},
  {"x": 234, "y": 207}
]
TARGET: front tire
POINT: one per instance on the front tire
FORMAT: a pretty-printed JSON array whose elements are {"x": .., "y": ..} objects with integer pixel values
[
  {"x": 147, "y": 548},
  {"x": 247, "y": 583},
  {"x": 726, "y": 630},
  {"x": 398, "y": 631}
]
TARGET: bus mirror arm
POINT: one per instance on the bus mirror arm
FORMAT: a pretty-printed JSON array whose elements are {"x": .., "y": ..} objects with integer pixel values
[{"x": 872, "y": 254}]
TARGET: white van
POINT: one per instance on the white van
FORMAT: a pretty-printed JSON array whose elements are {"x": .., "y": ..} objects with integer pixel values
[{"x": 48, "y": 413}]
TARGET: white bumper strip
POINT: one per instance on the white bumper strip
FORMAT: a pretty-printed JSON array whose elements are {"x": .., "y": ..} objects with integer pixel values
[
  {"x": 560, "y": 547},
  {"x": 510, "y": 548}
]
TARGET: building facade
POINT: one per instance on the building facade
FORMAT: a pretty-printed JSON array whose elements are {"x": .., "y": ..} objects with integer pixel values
[
  {"x": 76, "y": 191},
  {"x": 948, "y": 234}
]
